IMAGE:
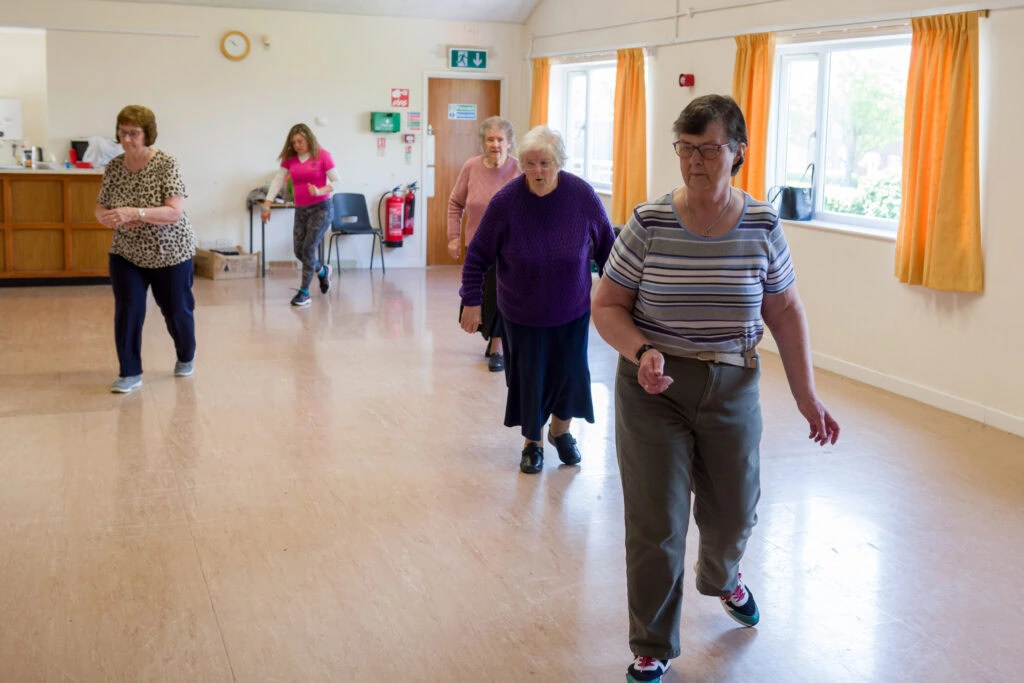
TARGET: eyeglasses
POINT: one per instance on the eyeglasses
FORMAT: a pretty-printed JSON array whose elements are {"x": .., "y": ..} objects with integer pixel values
[
  {"x": 122, "y": 133},
  {"x": 707, "y": 152},
  {"x": 533, "y": 165}
]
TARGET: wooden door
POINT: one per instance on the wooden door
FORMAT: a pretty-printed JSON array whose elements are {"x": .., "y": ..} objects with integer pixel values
[{"x": 455, "y": 140}]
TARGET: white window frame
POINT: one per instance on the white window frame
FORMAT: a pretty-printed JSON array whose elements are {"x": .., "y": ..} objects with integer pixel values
[
  {"x": 559, "y": 109},
  {"x": 776, "y": 156}
]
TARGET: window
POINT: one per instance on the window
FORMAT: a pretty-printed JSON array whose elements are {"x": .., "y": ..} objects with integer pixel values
[
  {"x": 839, "y": 126},
  {"x": 583, "y": 110}
]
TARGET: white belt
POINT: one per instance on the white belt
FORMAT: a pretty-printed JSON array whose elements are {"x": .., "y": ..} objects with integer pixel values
[{"x": 747, "y": 359}]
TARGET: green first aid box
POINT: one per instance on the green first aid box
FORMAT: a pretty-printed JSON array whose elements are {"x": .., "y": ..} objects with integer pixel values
[{"x": 385, "y": 121}]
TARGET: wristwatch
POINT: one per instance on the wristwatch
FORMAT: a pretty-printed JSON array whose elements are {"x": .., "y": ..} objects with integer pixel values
[
  {"x": 641, "y": 351},
  {"x": 142, "y": 213}
]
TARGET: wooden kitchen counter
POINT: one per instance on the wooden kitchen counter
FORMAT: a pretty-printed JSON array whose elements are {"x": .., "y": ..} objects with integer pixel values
[{"x": 48, "y": 229}]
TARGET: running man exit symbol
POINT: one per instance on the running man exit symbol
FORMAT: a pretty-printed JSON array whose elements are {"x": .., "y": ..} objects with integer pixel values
[{"x": 465, "y": 58}]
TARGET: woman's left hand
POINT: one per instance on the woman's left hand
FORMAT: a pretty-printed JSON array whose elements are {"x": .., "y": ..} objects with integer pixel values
[
  {"x": 314, "y": 191},
  {"x": 824, "y": 428}
]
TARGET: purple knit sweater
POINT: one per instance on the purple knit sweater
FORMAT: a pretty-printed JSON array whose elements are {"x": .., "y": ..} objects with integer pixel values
[{"x": 541, "y": 246}]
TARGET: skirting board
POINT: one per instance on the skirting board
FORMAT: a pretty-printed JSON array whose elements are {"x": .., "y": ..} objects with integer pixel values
[{"x": 938, "y": 399}]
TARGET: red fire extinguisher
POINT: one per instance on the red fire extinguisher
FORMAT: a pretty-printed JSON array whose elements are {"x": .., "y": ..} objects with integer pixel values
[
  {"x": 410, "y": 209},
  {"x": 393, "y": 217}
]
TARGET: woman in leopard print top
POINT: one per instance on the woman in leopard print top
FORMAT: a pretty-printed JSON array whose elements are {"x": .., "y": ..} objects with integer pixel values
[{"x": 142, "y": 201}]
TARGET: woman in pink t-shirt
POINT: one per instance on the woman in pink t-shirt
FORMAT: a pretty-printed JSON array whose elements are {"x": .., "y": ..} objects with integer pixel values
[
  {"x": 311, "y": 169},
  {"x": 480, "y": 178}
]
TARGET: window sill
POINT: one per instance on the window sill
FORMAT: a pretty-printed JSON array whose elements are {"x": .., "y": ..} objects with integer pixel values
[{"x": 844, "y": 228}]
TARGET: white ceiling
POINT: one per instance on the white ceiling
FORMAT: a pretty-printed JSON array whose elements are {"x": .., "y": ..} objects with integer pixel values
[{"x": 511, "y": 11}]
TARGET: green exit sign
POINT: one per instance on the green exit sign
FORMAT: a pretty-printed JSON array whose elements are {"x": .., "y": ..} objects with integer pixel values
[{"x": 464, "y": 58}]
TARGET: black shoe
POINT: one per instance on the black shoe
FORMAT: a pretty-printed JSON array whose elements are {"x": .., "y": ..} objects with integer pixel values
[
  {"x": 496, "y": 363},
  {"x": 325, "y": 279},
  {"x": 566, "y": 445},
  {"x": 533, "y": 459}
]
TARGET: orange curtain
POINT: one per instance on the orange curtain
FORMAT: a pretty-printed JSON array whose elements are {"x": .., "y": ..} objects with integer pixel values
[
  {"x": 539, "y": 96},
  {"x": 752, "y": 90},
  {"x": 939, "y": 240},
  {"x": 629, "y": 142}
]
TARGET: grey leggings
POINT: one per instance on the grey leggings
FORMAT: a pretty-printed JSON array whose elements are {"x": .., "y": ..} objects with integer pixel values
[{"x": 311, "y": 222}]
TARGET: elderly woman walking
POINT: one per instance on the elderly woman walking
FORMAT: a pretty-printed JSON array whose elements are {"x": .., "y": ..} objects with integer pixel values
[
  {"x": 539, "y": 232},
  {"x": 481, "y": 176},
  {"x": 691, "y": 283},
  {"x": 142, "y": 200}
]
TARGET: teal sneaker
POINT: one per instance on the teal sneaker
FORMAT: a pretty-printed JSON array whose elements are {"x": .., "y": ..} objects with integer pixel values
[
  {"x": 647, "y": 670},
  {"x": 740, "y": 605}
]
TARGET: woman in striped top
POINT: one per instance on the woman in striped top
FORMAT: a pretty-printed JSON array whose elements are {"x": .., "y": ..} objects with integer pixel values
[{"x": 688, "y": 288}]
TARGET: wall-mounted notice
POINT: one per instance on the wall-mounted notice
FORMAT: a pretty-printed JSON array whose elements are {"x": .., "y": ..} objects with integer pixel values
[{"x": 462, "y": 112}]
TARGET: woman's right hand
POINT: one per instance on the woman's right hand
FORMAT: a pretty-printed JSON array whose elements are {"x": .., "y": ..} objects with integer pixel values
[
  {"x": 651, "y": 375},
  {"x": 470, "y": 319},
  {"x": 109, "y": 218},
  {"x": 265, "y": 214},
  {"x": 455, "y": 248}
]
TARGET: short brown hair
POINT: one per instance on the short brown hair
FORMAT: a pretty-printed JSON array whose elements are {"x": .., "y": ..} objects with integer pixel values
[
  {"x": 137, "y": 115},
  {"x": 300, "y": 129},
  {"x": 703, "y": 111}
]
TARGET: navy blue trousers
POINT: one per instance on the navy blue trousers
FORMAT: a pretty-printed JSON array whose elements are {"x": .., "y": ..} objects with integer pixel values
[{"x": 172, "y": 290}]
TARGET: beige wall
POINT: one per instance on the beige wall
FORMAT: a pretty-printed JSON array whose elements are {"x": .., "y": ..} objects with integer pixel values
[
  {"x": 27, "y": 82},
  {"x": 226, "y": 121},
  {"x": 955, "y": 351}
]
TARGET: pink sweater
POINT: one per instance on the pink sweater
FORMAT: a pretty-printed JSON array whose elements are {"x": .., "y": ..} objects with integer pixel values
[{"x": 473, "y": 189}]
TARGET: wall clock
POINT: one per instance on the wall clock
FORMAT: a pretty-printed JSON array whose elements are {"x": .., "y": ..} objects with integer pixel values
[{"x": 235, "y": 45}]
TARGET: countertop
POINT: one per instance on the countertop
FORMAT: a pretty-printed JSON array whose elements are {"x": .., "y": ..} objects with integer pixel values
[{"x": 19, "y": 170}]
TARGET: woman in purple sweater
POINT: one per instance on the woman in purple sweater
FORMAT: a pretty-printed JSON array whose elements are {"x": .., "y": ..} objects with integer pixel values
[{"x": 539, "y": 232}]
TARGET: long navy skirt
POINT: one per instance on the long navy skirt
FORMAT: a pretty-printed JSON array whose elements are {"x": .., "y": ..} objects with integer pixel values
[{"x": 547, "y": 374}]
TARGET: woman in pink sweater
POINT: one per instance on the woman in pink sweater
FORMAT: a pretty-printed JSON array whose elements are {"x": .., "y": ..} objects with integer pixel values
[{"x": 481, "y": 177}]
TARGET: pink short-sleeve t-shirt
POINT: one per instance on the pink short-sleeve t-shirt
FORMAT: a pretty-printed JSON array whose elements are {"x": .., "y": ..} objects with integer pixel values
[{"x": 312, "y": 170}]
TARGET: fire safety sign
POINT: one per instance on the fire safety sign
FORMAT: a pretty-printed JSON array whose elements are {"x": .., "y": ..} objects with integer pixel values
[{"x": 400, "y": 98}]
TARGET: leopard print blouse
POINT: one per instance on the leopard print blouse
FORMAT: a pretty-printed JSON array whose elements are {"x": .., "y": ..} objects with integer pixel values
[{"x": 148, "y": 246}]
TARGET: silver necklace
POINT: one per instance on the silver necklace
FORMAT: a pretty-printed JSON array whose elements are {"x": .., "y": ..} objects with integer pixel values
[{"x": 706, "y": 232}]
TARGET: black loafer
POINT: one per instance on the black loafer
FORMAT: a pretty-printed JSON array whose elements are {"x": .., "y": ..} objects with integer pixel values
[
  {"x": 566, "y": 445},
  {"x": 496, "y": 363},
  {"x": 533, "y": 459}
]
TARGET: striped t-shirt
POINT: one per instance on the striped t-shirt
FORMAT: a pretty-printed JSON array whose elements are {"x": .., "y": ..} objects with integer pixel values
[{"x": 699, "y": 294}]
